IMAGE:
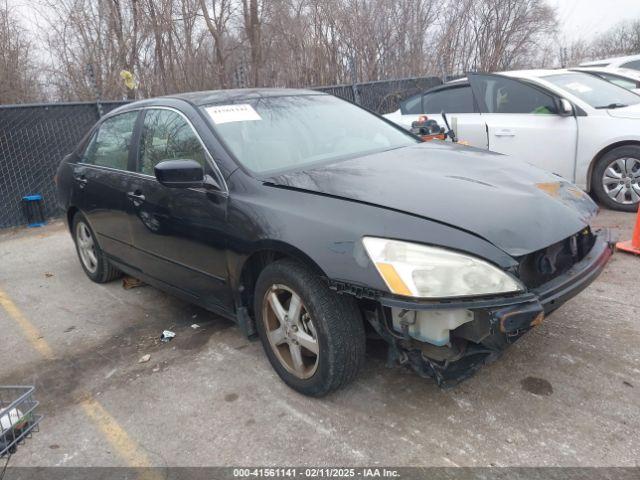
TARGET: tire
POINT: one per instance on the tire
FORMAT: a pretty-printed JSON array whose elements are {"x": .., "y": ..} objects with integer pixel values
[
  {"x": 623, "y": 161},
  {"x": 97, "y": 267},
  {"x": 333, "y": 321}
]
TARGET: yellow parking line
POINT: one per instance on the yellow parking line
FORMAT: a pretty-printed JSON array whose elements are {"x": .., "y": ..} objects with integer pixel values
[
  {"x": 110, "y": 428},
  {"x": 28, "y": 329},
  {"x": 117, "y": 436}
]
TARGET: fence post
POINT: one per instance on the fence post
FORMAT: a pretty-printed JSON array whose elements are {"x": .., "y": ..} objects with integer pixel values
[
  {"x": 356, "y": 93},
  {"x": 354, "y": 79},
  {"x": 94, "y": 84}
]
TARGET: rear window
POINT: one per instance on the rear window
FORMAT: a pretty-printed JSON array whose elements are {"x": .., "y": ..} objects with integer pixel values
[
  {"x": 412, "y": 106},
  {"x": 635, "y": 65}
]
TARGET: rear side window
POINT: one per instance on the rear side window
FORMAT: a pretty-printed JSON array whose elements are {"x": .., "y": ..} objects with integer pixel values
[
  {"x": 109, "y": 146},
  {"x": 451, "y": 100},
  {"x": 635, "y": 65},
  {"x": 166, "y": 135},
  {"x": 505, "y": 95},
  {"x": 412, "y": 106}
]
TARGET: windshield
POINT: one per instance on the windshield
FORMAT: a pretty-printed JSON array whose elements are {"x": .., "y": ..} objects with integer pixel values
[
  {"x": 595, "y": 91},
  {"x": 270, "y": 134}
]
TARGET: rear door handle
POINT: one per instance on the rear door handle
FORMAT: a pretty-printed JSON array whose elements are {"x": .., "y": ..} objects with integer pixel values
[
  {"x": 136, "y": 197},
  {"x": 505, "y": 132}
]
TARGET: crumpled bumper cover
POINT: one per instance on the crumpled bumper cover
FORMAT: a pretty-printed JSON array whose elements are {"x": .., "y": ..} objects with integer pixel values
[{"x": 506, "y": 317}]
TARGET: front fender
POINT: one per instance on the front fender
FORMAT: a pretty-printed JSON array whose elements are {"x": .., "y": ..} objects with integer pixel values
[{"x": 327, "y": 232}]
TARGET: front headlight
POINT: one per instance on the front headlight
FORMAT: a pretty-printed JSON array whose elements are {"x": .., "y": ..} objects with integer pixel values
[{"x": 415, "y": 270}]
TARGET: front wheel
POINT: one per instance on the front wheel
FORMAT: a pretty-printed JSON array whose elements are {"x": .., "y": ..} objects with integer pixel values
[
  {"x": 313, "y": 337},
  {"x": 616, "y": 179}
]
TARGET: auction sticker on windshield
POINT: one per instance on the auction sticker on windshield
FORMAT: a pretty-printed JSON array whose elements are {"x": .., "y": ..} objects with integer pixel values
[{"x": 232, "y": 113}]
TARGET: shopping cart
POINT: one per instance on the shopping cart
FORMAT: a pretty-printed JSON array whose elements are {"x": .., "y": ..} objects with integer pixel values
[{"x": 18, "y": 417}]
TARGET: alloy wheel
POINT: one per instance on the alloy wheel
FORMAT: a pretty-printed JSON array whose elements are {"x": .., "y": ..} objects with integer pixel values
[
  {"x": 621, "y": 180},
  {"x": 290, "y": 331},
  {"x": 86, "y": 247}
]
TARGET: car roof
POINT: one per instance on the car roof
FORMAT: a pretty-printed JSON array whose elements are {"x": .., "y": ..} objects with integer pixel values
[
  {"x": 516, "y": 74},
  {"x": 233, "y": 95},
  {"x": 627, "y": 58},
  {"x": 533, "y": 73},
  {"x": 623, "y": 72}
]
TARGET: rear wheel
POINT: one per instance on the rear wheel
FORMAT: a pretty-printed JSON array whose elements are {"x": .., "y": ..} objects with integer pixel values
[
  {"x": 93, "y": 260},
  {"x": 313, "y": 337},
  {"x": 616, "y": 179}
]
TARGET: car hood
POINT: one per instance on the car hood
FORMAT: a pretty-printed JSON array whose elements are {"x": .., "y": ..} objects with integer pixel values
[
  {"x": 517, "y": 207},
  {"x": 632, "y": 111}
]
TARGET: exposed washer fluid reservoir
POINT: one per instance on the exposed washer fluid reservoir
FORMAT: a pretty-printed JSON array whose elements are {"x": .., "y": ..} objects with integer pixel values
[{"x": 431, "y": 326}]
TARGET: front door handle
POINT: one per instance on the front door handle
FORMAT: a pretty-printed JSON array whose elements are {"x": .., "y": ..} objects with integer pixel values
[
  {"x": 505, "y": 132},
  {"x": 136, "y": 197}
]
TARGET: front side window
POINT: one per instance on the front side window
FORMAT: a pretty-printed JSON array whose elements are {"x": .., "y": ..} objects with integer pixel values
[
  {"x": 593, "y": 90},
  {"x": 450, "y": 100},
  {"x": 505, "y": 95},
  {"x": 270, "y": 134},
  {"x": 109, "y": 146},
  {"x": 166, "y": 135}
]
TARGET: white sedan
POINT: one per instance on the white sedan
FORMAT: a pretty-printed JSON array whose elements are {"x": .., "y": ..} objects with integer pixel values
[
  {"x": 630, "y": 61},
  {"x": 574, "y": 124}
]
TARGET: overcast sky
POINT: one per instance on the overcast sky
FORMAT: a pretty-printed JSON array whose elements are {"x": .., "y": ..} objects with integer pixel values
[{"x": 587, "y": 18}]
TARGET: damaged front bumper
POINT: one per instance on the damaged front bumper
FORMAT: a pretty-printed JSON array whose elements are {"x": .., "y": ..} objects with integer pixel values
[{"x": 496, "y": 322}]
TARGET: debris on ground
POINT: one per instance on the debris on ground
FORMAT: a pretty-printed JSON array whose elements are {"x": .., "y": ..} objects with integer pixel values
[
  {"x": 144, "y": 358},
  {"x": 48, "y": 274},
  {"x": 132, "y": 282},
  {"x": 167, "y": 336},
  {"x": 195, "y": 326},
  {"x": 195, "y": 315}
]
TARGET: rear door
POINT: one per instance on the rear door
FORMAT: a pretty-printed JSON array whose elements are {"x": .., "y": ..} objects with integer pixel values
[
  {"x": 458, "y": 104},
  {"x": 179, "y": 233},
  {"x": 522, "y": 121},
  {"x": 101, "y": 178}
]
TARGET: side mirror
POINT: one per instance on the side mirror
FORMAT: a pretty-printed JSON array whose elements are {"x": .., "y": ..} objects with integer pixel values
[
  {"x": 565, "y": 108},
  {"x": 180, "y": 173}
]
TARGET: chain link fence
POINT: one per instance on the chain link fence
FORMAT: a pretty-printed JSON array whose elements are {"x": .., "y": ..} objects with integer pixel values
[
  {"x": 35, "y": 138},
  {"x": 382, "y": 96}
]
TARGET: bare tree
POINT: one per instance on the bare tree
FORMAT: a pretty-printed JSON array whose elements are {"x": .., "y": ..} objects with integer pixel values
[
  {"x": 217, "y": 15},
  {"x": 18, "y": 73},
  {"x": 491, "y": 35},
  {"x": 622, "y": 39},
  {"x": 253, "y": 12},
  {"x": 179, "y": 45}
]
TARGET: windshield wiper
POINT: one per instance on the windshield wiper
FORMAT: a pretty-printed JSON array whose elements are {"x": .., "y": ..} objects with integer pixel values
[{"x": 612, "y": 105}]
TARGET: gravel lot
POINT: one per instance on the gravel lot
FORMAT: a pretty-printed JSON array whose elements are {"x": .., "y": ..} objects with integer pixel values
[{"x": 567, "y": 394}]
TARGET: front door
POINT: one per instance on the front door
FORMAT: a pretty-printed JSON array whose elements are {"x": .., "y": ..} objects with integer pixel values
[
  {"x": 179, "y": 233},
  {"x": 522, "y": 121},
  {"x": 102, "y": 180}
]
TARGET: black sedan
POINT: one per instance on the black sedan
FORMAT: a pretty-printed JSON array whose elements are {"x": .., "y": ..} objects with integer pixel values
[{"x": 315, "y": 224}]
